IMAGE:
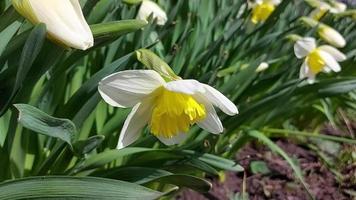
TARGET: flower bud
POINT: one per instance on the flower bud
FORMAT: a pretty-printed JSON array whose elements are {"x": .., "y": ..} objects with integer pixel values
[
  {"x": 331, "y": 36},
  {"x": 64, "y": 20},
  {"x": 262, "y": 67},
  {"x": 149, "y": 7}
]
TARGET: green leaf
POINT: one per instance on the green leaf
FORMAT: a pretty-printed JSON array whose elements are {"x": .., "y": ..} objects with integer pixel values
[
  {"x": 8, "y": 17},
  {"x": 106, "y": 157},
  {"x": 181, "y": 180},
  {"x": 259, "y": 167},
  {"x": 83, "y": 147},
  {"x": 144, "y": 175},
  {"x": 71, "y": 188},
  {"x": 38, "y": 121},
  {"x": 111, "y": 155},
  {"x": 215, "y": 161},
  {"x": 139, "y": 175},
  {"x": 132, "y": 2}
]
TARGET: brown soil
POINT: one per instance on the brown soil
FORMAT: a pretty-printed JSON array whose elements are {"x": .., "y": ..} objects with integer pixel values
[{"x": 279, "y": 183}]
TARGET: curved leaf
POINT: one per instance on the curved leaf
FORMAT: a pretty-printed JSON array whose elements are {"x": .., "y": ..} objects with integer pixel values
[{"x": 38, "y": 121}]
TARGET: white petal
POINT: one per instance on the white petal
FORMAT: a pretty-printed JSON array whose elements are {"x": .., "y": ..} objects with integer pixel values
[
  {"x": 174, "y": 140},
  {"x": 147, "y": 8},
  {"x": 330, "y": 61},
  {"x": 219, "y": 100},
  {"x": 324, "y": 5},
  {"x": 135, "y": 121},
  {"x": 326, "y": 69},
  {"x": 127, "y": 88},
  {"x": 188, "y": 86},
  {"x": 304, "y": 46},
  {"x": 211, "y": 123},
  {"x": 259, "y": 1},
  {"x": 305, "y": 72},
  {"x": 65, "y": 22},
  {"x": 339, "y": 56},
  {"x": 274, "y": 2}
]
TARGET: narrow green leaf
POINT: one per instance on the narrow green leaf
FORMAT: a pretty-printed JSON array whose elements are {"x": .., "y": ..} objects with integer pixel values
[
  {"x": 8, "y": 17},
  {"x": 139, "y": 175},
  {"x": 83, "y": 147},
  {"x": 132, "y": 2},
  {"x": 181, "y": 180},
  {"x": 215, "y": 161}
]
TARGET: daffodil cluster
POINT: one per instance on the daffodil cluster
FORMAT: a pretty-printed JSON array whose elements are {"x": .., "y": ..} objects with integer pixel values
[
  {"x": 323, "y": 58},
  {"x": 161, "y": 100}
]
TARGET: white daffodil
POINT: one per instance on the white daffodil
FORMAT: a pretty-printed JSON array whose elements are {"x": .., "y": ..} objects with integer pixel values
[
  {"x": 317, "y": 59},
  {"x": 63, "y": 18},
  {"x": 149, "y": 7},
  {"x": 262, "y": 9},
  {"x": 331, "y": 36},
  {"x": 322, "y": 7},
  {"x": 169, "y": 108}
]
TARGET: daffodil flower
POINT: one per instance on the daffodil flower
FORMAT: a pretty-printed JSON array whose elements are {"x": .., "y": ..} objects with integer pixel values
[
  {"x": 149, "y": 7},
  {"x": 262, "y": 9},
  {"x": 322, "y": 7},
  {"x": 169, "y": 108},
  {"x": 64, "y": 20},
  {"x": 324, "y": 58}
]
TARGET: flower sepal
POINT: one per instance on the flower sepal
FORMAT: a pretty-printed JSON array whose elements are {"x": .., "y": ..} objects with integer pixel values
[{"x": 152, "y": 61}]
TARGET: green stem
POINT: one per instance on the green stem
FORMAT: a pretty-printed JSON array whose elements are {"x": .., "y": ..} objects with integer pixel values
[{"x": 307, "y": 134}]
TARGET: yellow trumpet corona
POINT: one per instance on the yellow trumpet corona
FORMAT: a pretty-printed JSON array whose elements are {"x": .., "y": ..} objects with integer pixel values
[{"x": 262, "y": 9}]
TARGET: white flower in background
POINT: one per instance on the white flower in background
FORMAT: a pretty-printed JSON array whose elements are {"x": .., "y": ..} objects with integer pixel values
[
  {"x": 324, "y": 58},
  {"x": 169, "y": 108},
  {"x": 331, "y": 36},
  {"x": 64, "y": 20},
  {"x": 149, "y": 7},
  {"x": 262, "y": 67},
  {"x": 262, "y": 9},
  {"x": 322, "y": 7}
]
